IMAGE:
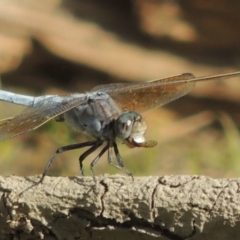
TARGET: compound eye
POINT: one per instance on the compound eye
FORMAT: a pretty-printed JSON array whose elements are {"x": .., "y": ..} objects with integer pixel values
[
  {"x": 130, "y": 125},
  {"x": 123, "y": 126}
]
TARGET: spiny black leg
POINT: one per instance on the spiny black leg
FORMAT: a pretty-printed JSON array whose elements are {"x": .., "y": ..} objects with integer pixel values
[
  {"x": 64, "y": 149},
  {"x": 96, "y": 145},
  {"x": 95, "y": 160},
  {"x": 117, "y": 154},
  {"x": 120, "y": 161},
  {"x": 58, "y": 151},
  {"x": 110, "y": 159}
]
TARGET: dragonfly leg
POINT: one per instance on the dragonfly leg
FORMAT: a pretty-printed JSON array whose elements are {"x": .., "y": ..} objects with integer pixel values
[
  {"x": 95, "y": 160},
  {"x": 95, "y": 145},
  {"x": 58, "y": 151},
  {"x": 119, "y": 160}
]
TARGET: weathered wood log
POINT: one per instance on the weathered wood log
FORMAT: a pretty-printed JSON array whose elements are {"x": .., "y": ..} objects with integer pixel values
[{"x": 168, "y": 207}]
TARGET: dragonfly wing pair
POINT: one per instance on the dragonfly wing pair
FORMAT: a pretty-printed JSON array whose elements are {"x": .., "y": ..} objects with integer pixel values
[
  {"x": 141, "y": 97},
  {"x": 138, "y": 97},
  {"x": 32, "y": 118}
]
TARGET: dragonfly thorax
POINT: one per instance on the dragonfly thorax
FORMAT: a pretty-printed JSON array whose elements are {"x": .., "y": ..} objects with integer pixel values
[{"x": 95, "y": 117}]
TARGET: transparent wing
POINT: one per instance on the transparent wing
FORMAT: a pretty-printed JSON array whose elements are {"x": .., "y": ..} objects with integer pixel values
[
  {"x": 144, "y": 96},
  {"x": 32, "y": 118}
]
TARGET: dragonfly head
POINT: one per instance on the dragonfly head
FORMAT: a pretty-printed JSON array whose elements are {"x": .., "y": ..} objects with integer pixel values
[{"x": 131, "y": 127}]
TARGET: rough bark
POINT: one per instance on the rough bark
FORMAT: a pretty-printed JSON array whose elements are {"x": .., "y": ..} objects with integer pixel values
[{"x": 169, "y": 207}]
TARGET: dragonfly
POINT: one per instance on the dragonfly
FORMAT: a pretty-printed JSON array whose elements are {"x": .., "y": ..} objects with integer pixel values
[{"x": 107, "y": 113}]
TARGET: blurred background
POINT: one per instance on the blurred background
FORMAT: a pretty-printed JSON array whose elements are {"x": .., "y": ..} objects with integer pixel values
[{"x": 60, "y": 47}]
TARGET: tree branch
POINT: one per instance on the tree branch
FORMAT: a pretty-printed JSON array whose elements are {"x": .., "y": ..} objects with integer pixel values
[{"x": 169, "y": 207}]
